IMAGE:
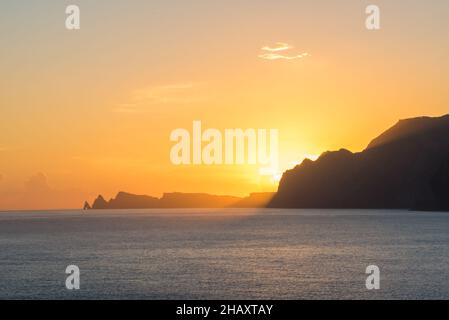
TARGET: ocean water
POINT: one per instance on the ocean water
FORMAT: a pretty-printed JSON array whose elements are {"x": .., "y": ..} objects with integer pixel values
[{"x": 224, "y": 254}]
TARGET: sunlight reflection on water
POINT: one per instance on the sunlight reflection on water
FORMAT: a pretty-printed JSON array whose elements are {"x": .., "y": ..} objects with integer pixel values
[{"x": 224, "y": 254}]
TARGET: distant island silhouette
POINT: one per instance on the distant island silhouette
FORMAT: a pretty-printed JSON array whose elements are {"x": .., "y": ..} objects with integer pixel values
[
  {"x": 406, "y": 167},
  {"x": 125, "y": 200}
]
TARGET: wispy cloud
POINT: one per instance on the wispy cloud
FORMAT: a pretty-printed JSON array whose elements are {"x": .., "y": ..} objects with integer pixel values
[
  {"x": 273, "y": 52},
  {"x": 275, "y": 56},
  {"x": 279, "y": 46},
  {"x": 128, "y": 108},
  {"x": 37, "y": 183},
  {"x": 174, "y": 94}
]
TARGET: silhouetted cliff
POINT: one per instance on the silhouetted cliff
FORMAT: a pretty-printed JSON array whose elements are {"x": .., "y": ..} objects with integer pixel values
[
  {"x": 125, "y": 200},
  {"x": 131, "y": 201},
  {"x": 99, "y": 203},
  {"x": 406, "y": 167}
]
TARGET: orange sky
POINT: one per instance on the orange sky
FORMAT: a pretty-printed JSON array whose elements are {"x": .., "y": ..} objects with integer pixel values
[{"x": 90, "y": 111}]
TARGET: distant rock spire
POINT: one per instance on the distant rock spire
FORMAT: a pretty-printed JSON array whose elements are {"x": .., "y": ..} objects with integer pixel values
[
  {"x": 86, "y": 206},
  {"x": 99, "y": 203}
]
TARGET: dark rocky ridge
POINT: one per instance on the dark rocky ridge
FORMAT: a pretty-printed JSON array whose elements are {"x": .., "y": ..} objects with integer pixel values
[
  {"x": 125, "y": 200},
  {"x": 406, "y": 167}
]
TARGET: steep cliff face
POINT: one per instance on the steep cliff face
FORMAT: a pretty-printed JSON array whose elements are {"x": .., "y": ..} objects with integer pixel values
[{"x": 405, "y": 167}]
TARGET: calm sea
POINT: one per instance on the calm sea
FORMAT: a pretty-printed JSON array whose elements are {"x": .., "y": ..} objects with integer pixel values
[{"x": 224, "y": 254}]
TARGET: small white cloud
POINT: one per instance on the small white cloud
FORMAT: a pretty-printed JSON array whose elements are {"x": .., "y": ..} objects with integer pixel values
[
  {"x": 277, "y": 52},
  {"x": 181, "y": 93},
  {"x": 275, "y": 56},
  {"x": 174, "y": 93},
  {"x": 279, "y": 46}
]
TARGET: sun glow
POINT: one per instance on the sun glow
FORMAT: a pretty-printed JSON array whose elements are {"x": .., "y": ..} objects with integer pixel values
[
  {"x": 110, "y": 110},
  {"x": 312, "y": 157}
]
